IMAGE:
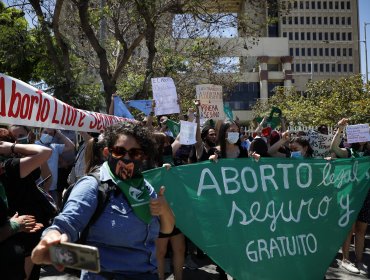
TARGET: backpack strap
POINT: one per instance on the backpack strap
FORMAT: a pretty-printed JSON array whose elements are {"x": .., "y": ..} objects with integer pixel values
[{"x": 104, "y": 190}]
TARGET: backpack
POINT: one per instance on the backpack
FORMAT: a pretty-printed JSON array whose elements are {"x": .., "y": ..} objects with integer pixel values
[{"x": 104, "y": 189}]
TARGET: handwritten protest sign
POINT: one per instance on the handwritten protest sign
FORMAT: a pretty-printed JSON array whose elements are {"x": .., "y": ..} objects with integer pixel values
[
  {"x": 211, "y": 101},
  {"x": 165, "y": 96},
  {"x": 320, "y": 143},
  {"x": 22, "y": 104},
  {"x": 256, "y": 218},
  {"x": 358, "y": 133},
  {"x": 188, "y": 131}
]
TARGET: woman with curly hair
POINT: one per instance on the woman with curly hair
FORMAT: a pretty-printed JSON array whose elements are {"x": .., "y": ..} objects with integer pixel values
[{"x": 126, "y": 230}]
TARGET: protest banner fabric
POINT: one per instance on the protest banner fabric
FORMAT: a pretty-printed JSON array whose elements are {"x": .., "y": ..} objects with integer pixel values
[
  {"x": 165, "y": 96},
  {"x": 22, "y": 104},
  {"x": 211, "y": 101},
  {"x": 256, "y": 219},
  {"x": 320, "y": 143}
]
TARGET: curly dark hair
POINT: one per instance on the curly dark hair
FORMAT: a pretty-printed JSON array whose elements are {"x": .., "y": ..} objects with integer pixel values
[{"x": 141, "y": 134}]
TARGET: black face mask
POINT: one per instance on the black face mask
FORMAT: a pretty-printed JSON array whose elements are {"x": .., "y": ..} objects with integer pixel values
[
  {"x": 167, "y": 151},
  {"x": 124, "y": 168},
  {"x": 210, "y": 143}
]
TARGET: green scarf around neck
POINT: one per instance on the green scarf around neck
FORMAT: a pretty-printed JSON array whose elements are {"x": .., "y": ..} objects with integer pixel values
[{"x": 136, "y": 193}]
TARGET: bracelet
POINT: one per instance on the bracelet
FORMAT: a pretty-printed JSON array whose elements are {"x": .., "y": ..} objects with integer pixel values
[
  {"x": 14, "y": 226},
  {"x": 12, "y": 148}
]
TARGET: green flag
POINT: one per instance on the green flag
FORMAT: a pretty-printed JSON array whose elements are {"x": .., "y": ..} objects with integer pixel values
[
  {"x": 174, "y": 127},
  {"x": 271, "y": 219},
  {"x": 228, "y": 112}
]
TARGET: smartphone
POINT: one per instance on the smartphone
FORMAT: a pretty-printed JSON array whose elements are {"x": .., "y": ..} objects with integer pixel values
[{"x": 76, "y": 256}]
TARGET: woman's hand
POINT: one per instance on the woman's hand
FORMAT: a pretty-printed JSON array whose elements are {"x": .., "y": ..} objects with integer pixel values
[
  {"x": 27, "y": 223},
  {"x": 213, "y": 158},
  {"x": 167, "y": 166},
  {"x": 41, "y": 255},
  {"x": 159, "y": 205}
]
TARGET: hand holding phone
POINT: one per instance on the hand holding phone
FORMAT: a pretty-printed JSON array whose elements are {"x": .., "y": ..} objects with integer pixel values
[{"x": 75, "y": 256}]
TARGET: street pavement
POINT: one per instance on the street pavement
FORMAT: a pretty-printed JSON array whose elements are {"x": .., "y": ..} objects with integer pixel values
[{"x": 207, "y": 270}]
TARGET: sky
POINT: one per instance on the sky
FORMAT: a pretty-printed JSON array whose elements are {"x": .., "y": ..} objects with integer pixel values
[{"x": 364, "y": 7}]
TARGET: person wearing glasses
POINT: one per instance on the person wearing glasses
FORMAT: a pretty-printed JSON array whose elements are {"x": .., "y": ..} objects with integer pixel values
[{"x": 126, "y": 230}]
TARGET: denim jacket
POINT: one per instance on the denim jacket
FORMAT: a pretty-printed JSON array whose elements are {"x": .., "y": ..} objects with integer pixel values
[{"x": 126, "y": 244}]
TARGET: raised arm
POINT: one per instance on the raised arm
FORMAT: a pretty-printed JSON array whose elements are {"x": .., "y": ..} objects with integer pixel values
[
  {"x": 68, "y": 144},
  {"x": 334, "y": 146},
  {"x": 274, "y": 149}
]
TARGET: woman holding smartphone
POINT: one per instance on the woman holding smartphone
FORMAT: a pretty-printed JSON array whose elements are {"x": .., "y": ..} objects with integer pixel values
[{"x": 126, "y": 230}]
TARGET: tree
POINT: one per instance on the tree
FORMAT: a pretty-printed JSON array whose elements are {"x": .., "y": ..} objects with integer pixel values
[{"x": 324, "y": 102}]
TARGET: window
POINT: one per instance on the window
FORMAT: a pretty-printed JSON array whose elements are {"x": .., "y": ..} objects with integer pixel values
[
  {"x": 295, "y": 20},
  {"x": 321, "y": 51},
  {"x": 309, "y": 51},
  {"x": 338, "y": 52},
  {"x": 326, "y": 36},
  {"x": 330, "y": 5},
  {"x": 296, "y": 36},
  {"x": 319, "y": 20},
  {"x": 291, "y": 52},
  {"x": 333, "y": 68},
  {"x": 313, "y": 6},
  {"x": 331, "y": 20},
  {"x": 308, "y": 35},
  {"x": 302, "y": 36},
  {"x": 314, "y": 51},
  {"x": 332, "y": 51},
  {"x": 349, "y": 36},
  {"x": 284, "y": 34},
  {"x": 284, "y": 20},
  {"x": 302, "y": 20},
  {"x": 290, "y": 20},
  {"x": 342, "y": 5},
  {"x": 345, "y": 68},
  {"x": 295, "y": 5},
  {"x": 337, "y": 36},
  {"x": 298, "y": 67},
  {"x": 290, "y": 36},
  {"x": 315, "y": 68},
  {"x": 337, "y": 20},
  {"x": 327, "y": 67},
  {"x": 303, "y": 52},
  {"x": 325, "y": 20},
  {"x": 319, "y": 5},
  {"x": 324, "y": 5},
  {"x": 339, "y": 67},
  {"x": 314, "y": 36},
  {"x": 320, "y": 36},
  {"x": 350, "y": 67},
  {"x": 309, "y": 67},
  {"x": 326, "y": 51},
  {"x": 349, "y": 21},
  {"x": 336, "y": 5},
  {"x": 343, "y": 36},
  {"x": 350, "y": 53},
  {"x": 321, "y": 67},
  {"x": 301, "y": 5},
  {"x": 332, "y": 36},
  {"x": 313, "y": 20},
  {"x": 307, "y": 5},
  {"x": 343, "y": 21},
  {"x": 308, "y": 20},
  {"x": 297, "y": 52},
  {"x": 344, "y": 51},
  {"x": 348, "y": 5},
  {"x": 304, "y": 67}
]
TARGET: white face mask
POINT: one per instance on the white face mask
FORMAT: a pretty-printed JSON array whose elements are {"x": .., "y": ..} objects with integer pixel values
[
  {"x": 232, "y": 137},
  {"x": 46, "y": 138}
]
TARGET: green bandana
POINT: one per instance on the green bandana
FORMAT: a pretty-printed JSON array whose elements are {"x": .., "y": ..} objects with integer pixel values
[{"x": 136, "y": 193}]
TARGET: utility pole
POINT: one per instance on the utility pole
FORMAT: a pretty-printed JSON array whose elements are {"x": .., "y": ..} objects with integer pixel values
[{"x": 366, "y": 63}]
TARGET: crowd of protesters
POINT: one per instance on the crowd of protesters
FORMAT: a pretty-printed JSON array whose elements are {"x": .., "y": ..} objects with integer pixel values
[{"x": 122, "y": 152}]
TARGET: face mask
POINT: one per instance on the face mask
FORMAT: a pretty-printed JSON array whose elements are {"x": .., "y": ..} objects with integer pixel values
[
  {"x": 124, "y": 168},
  {"x": 232, "y": 137},
  {"x": 23, "y": 140},
  {"x": 296, "y": 154},
  {"x": 46, "y": 138}
]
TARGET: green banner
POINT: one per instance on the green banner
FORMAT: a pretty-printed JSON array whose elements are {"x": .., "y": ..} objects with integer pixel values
[
  {"x": 272, "y": 219},
  {"x": 174, "y": 127}
]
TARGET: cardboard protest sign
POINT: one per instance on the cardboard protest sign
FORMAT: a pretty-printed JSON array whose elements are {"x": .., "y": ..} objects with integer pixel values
[
  {"x": 188, "y": 132},
  {"x": 23, "y": 104},
  {"x": 165, "y": 96},
  {"x": 256, "y": 218},
  {"x": 211, "y": 101},
  {"x": 320, "y": 143},
  {"x": 358, "y": 133}
]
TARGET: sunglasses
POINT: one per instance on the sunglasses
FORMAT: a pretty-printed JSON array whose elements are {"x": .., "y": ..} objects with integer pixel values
[{"x": 120, "y": 152}]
